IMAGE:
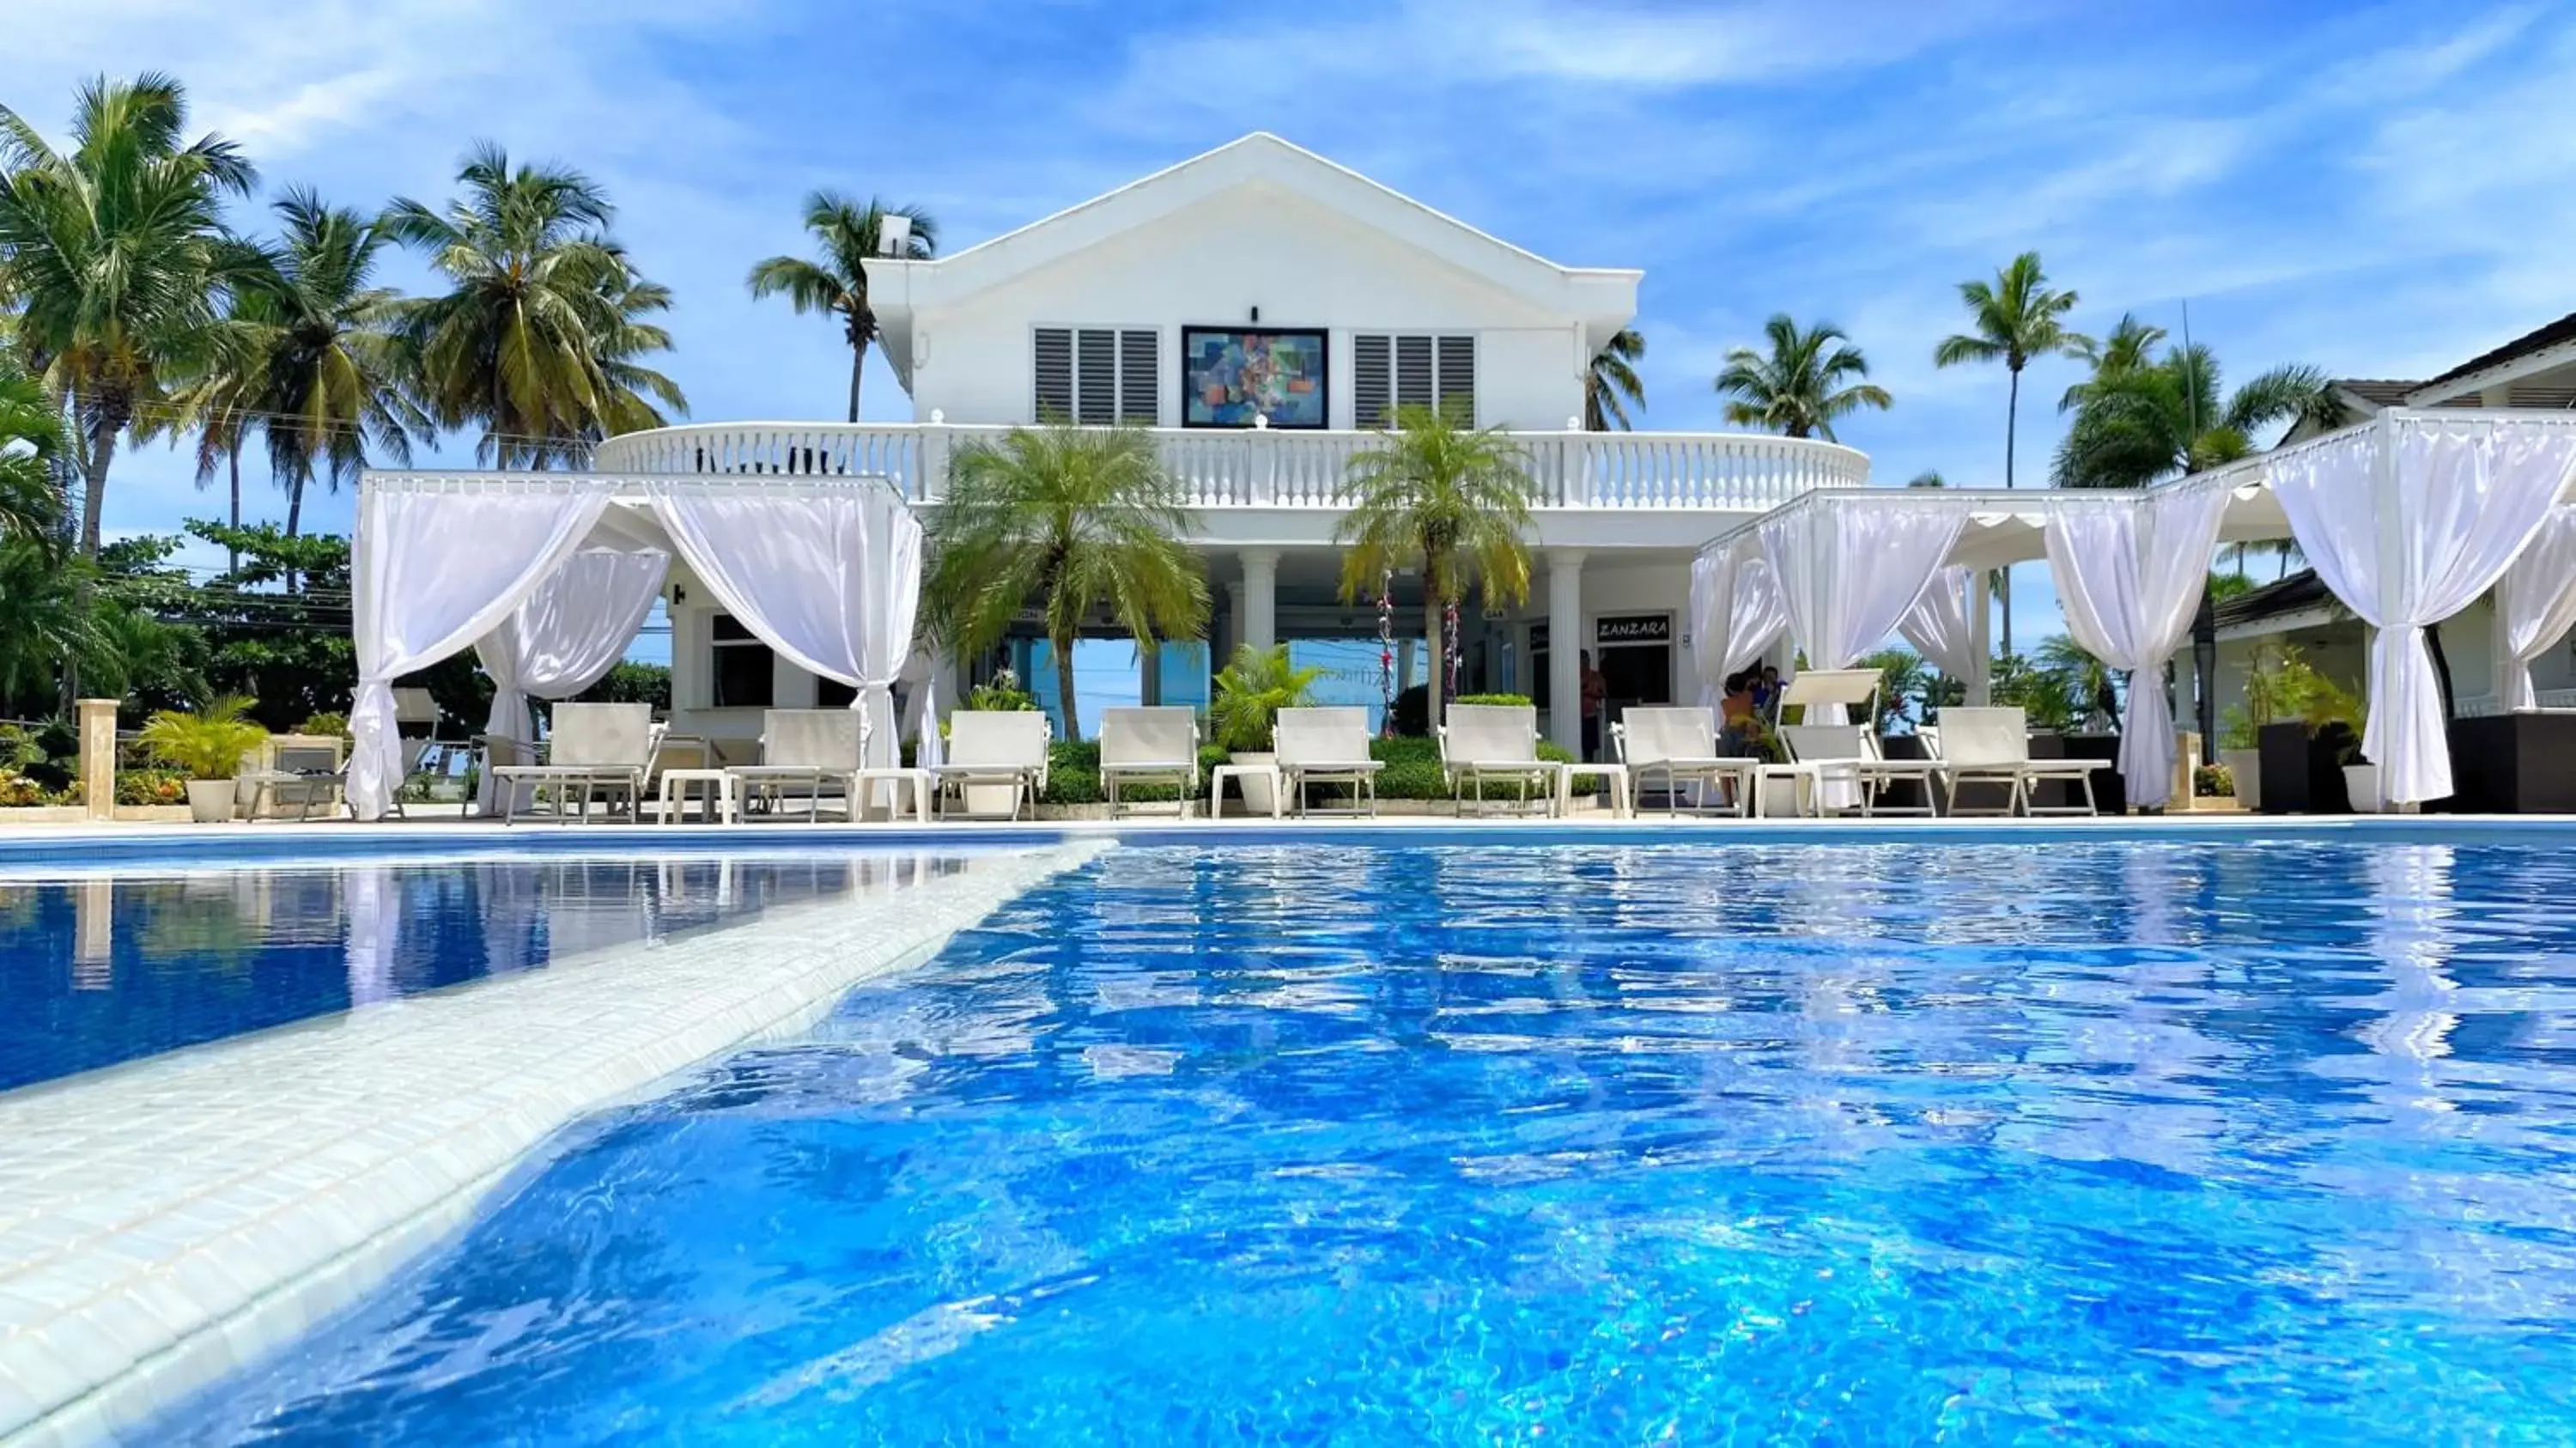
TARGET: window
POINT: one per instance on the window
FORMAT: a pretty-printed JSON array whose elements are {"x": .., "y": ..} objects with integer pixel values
[
  {"x": 1388, "y": 372},
  {"x": 832, "y": 693},
  {"x": 1097, "y": 375},
  {"x": 740, "y": 664}
]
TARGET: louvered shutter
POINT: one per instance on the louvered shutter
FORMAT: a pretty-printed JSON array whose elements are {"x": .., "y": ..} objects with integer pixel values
[
  {"x": 1372, "y": 381},
  {"x": 1458, "y": 379},
  {"x": 1095, "y": 376},
  {"x": 1054, "y": 374},
  {"x": 1139, "y": 394},
  {"x": 1413, "y": 372}
]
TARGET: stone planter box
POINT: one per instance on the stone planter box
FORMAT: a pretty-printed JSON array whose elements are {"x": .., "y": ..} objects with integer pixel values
[
  {"x": 2513, "y": 764},
  {"x": 2303, "y": 774},
  {"x": 72, "y": 814}
]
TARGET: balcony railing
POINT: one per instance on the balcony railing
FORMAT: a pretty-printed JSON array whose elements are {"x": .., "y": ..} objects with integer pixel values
[{"x": 1278, "y": 468}]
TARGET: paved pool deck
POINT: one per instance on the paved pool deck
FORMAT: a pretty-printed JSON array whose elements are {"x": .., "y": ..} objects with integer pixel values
[{"x": 169, "y": 1221}]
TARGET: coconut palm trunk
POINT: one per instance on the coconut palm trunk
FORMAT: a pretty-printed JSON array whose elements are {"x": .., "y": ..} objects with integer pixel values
[
  {"x": 1064, "y": 683},
  {"x": 858, "y": 364},
  {"x": 113, "y": 410}
]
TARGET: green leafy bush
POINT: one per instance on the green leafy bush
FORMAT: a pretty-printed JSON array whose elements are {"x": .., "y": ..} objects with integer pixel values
[
  {"x": 208, "y": 744},
  {"x": 2214, "y": 781},
  {"x": 1503, "y": 701},
  {"x": 325, "y": 726},
  {"x": 1252, "y": 690}
]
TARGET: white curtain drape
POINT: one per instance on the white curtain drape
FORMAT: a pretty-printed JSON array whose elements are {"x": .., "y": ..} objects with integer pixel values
[
  {"x": 1736, "y": 612},
  {"x": 1942, "y": 624},
  {"x": 2535, "y": 607},
  {"x": 2407, "y": 522},
  {"x": 434, "y": 571},
  {"x": 822, "y": 575},
  {"x": 566, "y": 636},
  {"x": 2129, "y": 573},
  {"x": 1849, "y": 575},
  {"x": 923, "y": 706}
]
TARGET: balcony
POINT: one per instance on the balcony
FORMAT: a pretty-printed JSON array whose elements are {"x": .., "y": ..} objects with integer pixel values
[{"x": 1603, "y": 471}]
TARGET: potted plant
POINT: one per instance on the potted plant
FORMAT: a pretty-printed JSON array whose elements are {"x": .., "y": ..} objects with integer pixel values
[
  {"x": 1250, "y": 692},
  {"x": 2314, "y": 734},
  {"x": 208, "y": 746}
]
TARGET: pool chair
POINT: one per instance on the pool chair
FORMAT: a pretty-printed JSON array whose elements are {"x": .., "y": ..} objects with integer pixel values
[
  {"x": 1153, "y": 745},
  {"x": 305, "y": 773},
  {"x": 1497, "y": 742},
  {"x": 601, "y": 750},
  {"x": 807, "y": 754},
  {"x": 1848, "y": 754},
  {"x": 1327, "y": 746},
  {"x": 1679, "y": 747},
  {"x": 997, "y": 761},
  {"x": 1992, "y": 746}
]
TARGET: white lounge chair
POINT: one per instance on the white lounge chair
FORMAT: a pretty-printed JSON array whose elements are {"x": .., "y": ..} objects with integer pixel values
[
  {"x": 812, "y": 751},
  {"x": 1849, "y": 754},
  {"x": 603, "y": 749},
  {"x": 1153, "y": 745},
  {"x": 1327, "y": 746},
  {"x": 995, "y": 749},
  {"x": 1992, "y": 746},
  {"x": 305, "y": 773},
  {"x": 1483, "y": 742},
  {"x": 1679, "y": 746}
]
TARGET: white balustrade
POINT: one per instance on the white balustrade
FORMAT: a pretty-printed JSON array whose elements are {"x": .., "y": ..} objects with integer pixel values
[{"x": 1279, "y": 467}]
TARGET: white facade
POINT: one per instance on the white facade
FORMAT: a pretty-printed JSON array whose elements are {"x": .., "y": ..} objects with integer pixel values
[{"x": 1260, "y": 236}]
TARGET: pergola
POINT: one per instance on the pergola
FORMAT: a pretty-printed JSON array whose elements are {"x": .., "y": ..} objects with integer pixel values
[
  {"x": 2407, "y": 518},
  {"x": 549, "y": 576}
]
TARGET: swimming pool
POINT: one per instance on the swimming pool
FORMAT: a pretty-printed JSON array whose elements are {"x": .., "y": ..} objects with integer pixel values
[
  {"x": 1942, "y": 1141},
  {"x": 102, "y": 967}
]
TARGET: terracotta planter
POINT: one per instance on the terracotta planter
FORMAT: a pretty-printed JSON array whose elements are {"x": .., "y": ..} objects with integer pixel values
[{"x": 210, "y": 801}]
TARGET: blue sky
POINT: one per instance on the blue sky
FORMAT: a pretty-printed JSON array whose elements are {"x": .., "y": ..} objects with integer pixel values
[{"x": 2379, "y": 190}]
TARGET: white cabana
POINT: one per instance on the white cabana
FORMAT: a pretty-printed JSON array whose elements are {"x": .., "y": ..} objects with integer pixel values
[
  {"x": 2407, "y": 518},
  {"x": 1736, "y": 612},
  {"x": 826, "y": 571}
]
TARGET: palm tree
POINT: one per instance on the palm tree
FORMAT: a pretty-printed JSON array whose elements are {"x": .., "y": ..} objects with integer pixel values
[
  {"x": 1798, "y": 389},
  {"x": 330, "y": 373},
  {"x": 536, "y": 339},
  {"x": 115, "y": 255},
  {"x": 1451, "y": 502},
  {"x": 2017, "y": 317},
  {"x": 2131, "y": 345},
  {"x": 1078, "y": 519},
  {"x": 1928, "y": 478},
  {"x": 31, "y": 446},
  {"x": 2137, "y": 425},
  {"x": 1611, "y": 378},
  {"x": 846, "y": 234}
]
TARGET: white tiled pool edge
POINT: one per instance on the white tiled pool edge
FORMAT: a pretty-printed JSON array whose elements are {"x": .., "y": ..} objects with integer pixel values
[{"x": 164, "y": 1224}]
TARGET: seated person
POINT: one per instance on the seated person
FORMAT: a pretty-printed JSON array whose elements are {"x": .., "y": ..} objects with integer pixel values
[{"x": 1737, "y": 721}]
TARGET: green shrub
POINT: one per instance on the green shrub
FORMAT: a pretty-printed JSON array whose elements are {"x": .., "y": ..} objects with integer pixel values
[
  {"x": 1505, "y": 701},
  {"x": 2214, "y": 780},
  {"x": 1252, "y": 690},
  {"x": 208, "y": 744},
  {"x": 325, "y": 726},
  {"x": 151, "y": 786}
]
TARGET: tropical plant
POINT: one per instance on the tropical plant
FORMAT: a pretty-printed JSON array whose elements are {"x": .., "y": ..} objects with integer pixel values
[
  {"x": 1904, "y": 686},
  {"x": 114, "y": 255},
  {"x": 1252, "y": 690},
  {"x": 1928, "y": 478},
  {"x": 1448, "y": 501},
  {"x": 2130, "y": 345},
  {"x": 1078, "y": 520},
  {"x": 208, "y": 744},
  {"x": 2015, "y": 319},
  {"x": 2046, "y": 697},
  {"x": 537, "y": 338},
  {"x": 2141, "y": 424},
  {"x": 2088, "y": 680},
  {"x": 1807, "y": 381},
  {"x": 1611, "y": 382},
  {"x": 46, "y": 622},
  {"x": 31, "y": 446},
  {"x": 846, "y": 235},
  {"x": 329, "y": 373},
  {"x": 1001, "y": 694}
]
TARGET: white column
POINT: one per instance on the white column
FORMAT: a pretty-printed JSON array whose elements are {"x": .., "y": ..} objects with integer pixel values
[
  {"x": 1565, "y": 643},
  {"x": 1981, "y": 624},
  {"x": 1260, "y": 597},
  {"x": 1233, "y": 622}
]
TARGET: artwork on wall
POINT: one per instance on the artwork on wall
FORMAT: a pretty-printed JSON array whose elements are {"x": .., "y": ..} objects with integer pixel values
[{"x": 1230, "y": 375}]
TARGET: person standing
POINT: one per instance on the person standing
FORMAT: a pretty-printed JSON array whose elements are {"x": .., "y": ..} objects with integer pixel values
[{"x": 1596, "y": 691}]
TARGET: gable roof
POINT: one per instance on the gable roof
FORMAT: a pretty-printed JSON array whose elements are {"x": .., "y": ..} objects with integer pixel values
[
  {"x": 1604, "y": 297},
  {"x": 2550, "y": 337}
]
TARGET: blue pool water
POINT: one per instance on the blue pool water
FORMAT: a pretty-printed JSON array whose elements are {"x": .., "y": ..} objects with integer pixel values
[
  {"x": 97, "y": 969},
  {"x": 2051, "y": 1142}
]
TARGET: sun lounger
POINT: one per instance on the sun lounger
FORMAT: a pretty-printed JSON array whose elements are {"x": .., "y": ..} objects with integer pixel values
[
  {"x": 1327, "y": 746},
  {"x": 989, "y": 751},
  {"x": 1154, "y": 745},
  {"x": 1498, "y": 742},
  {"x": 1849, "y": 754},
  {"x": 1679, "y": 746},
  {"x": 602, "y": 749},
  {"x": 1992, "y": 746},
  {"x": 809, "y": 752}
]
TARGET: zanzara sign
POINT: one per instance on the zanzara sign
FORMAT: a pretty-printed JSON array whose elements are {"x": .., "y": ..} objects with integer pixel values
[{"x": 1643, "y": 628}]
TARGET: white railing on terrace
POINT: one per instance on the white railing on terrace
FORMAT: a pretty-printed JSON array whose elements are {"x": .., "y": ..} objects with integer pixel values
[{"x": 1277, "y": 468}]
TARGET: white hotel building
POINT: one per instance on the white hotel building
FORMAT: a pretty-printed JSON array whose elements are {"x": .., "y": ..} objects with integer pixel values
[{"x": 1110, "y": 312}]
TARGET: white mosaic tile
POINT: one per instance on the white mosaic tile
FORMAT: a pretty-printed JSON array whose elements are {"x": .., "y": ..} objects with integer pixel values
[{"x": 171, "y": 1220}]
